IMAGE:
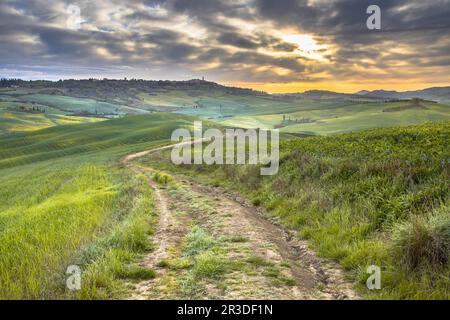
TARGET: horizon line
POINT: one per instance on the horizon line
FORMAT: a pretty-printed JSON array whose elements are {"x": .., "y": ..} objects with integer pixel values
[{"x": 218, "y": 83}]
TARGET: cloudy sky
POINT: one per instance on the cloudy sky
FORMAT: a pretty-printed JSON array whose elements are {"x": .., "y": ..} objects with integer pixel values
[{"x": 277, "y": 46}]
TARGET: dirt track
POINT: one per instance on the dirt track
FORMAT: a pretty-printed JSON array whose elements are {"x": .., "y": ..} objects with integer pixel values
[{"x": 285, "y": 268}]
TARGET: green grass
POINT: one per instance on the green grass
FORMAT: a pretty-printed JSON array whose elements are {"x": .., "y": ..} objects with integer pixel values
[
  {"x": 258, "y": 261},
  {"x": 65, "y": 199},
  {"x": 118, "y": 135},
  {"x": 320, "y": 116},
  {"x": 371, "y": 116},
  {"x": 197, "y": 241},
  {"x": 340, "y": 118},
  {"x": 423, "y": 243},
  {"x": 212, "y": 104},
  {"x": 61, "y": 104},
  {"x": 161, "y": 178},
  {"x": 44, "y": 222},
  {"x": 11, "y": 122},
  {"x": 372, "y": 197},
  {"x": 205, "y": 259},
  {"x": 58, "y": 110},
  {"x": 20, "y": 121},
  {"x": 107, "y": 259},
  {"x": 71, "y": 104}
]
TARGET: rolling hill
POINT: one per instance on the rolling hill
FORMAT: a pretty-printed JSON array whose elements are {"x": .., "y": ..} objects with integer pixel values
[
  {"x": 30, "y": 105},
  {"x": 65, "y": 199},
  {"x": 439, "y": 94}
]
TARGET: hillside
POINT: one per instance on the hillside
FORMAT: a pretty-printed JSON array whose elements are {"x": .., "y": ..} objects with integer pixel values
[
  {"x": 32, "y": 105},
  {"x": 320, "y": 118},
  {"x": 66, "y": 200},
  {"x": 439, "y": 94},
  {"x": 123, "y": 134},
  {"x": 373, "y": 197}
]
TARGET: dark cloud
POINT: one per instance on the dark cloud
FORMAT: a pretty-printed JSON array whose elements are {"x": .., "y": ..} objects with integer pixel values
[
  {"x": 236, "y": 40},
  {"x": 231, "y": 40},
  {"x": 200, "y": 7}
]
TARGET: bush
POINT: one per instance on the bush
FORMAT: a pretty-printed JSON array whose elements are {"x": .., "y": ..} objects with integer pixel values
[
  {"x": 250, "y": 176},
  {"x": 423, "y": 242},
  {"x": 162, "y": 178}
]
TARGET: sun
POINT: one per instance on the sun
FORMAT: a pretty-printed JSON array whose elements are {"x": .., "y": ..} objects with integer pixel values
[{"x": 307, "y": 46}]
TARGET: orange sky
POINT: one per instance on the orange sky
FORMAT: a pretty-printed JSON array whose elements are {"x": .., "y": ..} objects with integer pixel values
[{"x": 346, "y": 87}]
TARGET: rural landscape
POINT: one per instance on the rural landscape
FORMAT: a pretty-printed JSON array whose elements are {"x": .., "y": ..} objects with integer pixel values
[
  {"x": 72, "y": 194},
  {"x": 88, "y": 182}
]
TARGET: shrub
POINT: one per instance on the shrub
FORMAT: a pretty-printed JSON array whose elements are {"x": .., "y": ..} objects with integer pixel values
[
  {"x": 423, "y": 242},
  {"x": 250, "y": 176},
  {"x": 256, "y": 202},
  {"x": 161, "y": 178}
]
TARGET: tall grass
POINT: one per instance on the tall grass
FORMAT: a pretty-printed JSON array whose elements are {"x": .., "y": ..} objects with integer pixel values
[
  {"x": 39, "y": 235},
  {"x": 110, "y": 256},
  {"x": 65, "y": 199},
  {"x": 423, "y": 242}
]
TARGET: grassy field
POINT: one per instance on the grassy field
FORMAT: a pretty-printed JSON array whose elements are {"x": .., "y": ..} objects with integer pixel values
[
  {"x": 374, "y": 197},
  {"x": 351, "y": 117},
  {"x": 17, "y": 111},
  {"x": 212, "y": 104},
  {"x": 56, "y": 103},
  {"x": 11, "y": 121},
  {"x": 370, "y": 197},
  {"x": 319, "y": 115},
  {"x": 65, "y": 199}
]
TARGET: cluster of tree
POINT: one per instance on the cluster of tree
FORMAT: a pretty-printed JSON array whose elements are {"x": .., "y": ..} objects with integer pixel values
[
  {"x": 28, "y": 109},
  {"x": 122, "y": 90},
  {"x": 111, "y": 85},
  {"x": 287, "y": 120},
  {"x": 379, "y": 100},
  {"x": 415, "y": 103},
  {"x": 10, "y": 83}
]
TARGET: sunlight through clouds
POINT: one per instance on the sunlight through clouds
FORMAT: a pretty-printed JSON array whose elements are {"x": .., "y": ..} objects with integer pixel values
[{"x": 282, "y": 43}]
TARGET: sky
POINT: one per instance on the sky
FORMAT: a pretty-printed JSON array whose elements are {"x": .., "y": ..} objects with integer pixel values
[{"x": 275, "y": 46}]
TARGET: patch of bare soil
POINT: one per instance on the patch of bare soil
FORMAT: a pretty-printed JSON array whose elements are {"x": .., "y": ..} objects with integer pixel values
[
  {"x": 169, "y": 233},
  {"x": 307, "y": 268}
]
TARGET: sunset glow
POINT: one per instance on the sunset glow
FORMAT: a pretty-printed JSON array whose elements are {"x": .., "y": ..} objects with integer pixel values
[{"x": 277, "y": 47}]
